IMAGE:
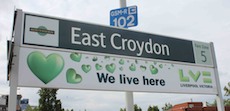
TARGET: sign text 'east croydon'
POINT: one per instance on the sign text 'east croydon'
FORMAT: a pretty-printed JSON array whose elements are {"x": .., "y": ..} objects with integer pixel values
[
  {"x": 98, "y": 40},
  {"x": 110, "y": 40}
]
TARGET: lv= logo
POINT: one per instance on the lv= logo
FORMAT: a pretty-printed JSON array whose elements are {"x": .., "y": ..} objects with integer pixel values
[{"x": 190, "y": 75}]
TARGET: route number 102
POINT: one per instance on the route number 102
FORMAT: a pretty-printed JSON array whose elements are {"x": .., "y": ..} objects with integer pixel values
[
  {"x": 124, "y": 17},
  {"x": 124, "y": 22}
]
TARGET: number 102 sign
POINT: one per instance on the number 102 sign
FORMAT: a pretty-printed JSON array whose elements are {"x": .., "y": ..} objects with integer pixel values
[{"x": 124, "y": 17}]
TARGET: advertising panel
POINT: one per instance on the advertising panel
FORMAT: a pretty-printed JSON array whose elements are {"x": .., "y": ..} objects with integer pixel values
[{"x": 73, "y": 70}]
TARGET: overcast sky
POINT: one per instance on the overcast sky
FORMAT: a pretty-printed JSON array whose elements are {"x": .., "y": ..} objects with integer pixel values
[{"x": 200, "y": 20}]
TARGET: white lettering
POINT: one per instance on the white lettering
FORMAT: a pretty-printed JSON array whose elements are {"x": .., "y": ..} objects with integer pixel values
[
  {"x": 123, "y": 43},
  {"x": 102, "y": 40},
  {"x": 118, "y": 43},
  {"x": 112, "y": 40},
  {"x": 148, "y": 46},
  {"x": 133, "y": 44},
  {"x": 74, "y": 35},
  {"x": 94, "y": 39},
  {"x": 86, "y": 39},
  {"x": 157, "y": 48},
  {"x": 165, "y": 48},
  {"x": 140, "y": 47}
]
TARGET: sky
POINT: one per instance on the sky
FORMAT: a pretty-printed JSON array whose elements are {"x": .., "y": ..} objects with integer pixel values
[{"x": 199, "y": 20}]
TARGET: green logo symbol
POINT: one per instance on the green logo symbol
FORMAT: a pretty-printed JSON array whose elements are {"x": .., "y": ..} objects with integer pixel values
[
  {"x": 195, "y": 76},
  {"x": 45, "y": 68}
]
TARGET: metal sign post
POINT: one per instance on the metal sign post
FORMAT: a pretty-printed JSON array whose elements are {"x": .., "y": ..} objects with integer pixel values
[
  {"x": 14, "y": 69},
  {"x": 128, "y": 94},
  {"x": 123, "y": 3},
  {"x": 219, "y": 98}
]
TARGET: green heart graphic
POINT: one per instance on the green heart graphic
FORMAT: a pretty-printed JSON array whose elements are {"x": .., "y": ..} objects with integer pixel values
[
  {"x": 153, "y": 69},
  {"x": 72, "y": 77},
  {"x": 107, "y": 58},
  {"x": 121, "y": 61},
  {"x": 121, "y": 68},
  {"x": 76, "y": 56},
  {"x": 86, "y": 68},
  {"x": 143, "y": 68},
  {"x": 45, "y": 68},
  {"x": 161, "y": 66},
  {"x": 132, "y": 67},
  {"x": 98, "y": 66},
  {"x": 94, "y": 59},
  {"x": 110, "y": 67}
]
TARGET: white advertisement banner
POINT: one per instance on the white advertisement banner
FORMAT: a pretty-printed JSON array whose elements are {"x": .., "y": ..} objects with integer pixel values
[{"x": 73, "y": 70}]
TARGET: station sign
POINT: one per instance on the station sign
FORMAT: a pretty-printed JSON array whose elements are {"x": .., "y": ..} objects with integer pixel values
[{"x": 60, "y": 53}]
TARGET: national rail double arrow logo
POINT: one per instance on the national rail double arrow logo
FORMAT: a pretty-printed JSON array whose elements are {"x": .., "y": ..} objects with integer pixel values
[{"x": 42, "y": 30}]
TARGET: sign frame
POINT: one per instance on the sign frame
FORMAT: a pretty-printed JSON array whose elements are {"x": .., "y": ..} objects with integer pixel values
[
  {"x": 18, "y": 45},
  {"x": 22, "y": 44}
]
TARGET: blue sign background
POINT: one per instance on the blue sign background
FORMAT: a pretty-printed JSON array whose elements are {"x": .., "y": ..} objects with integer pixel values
[{"x": 124, "y": 17}]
